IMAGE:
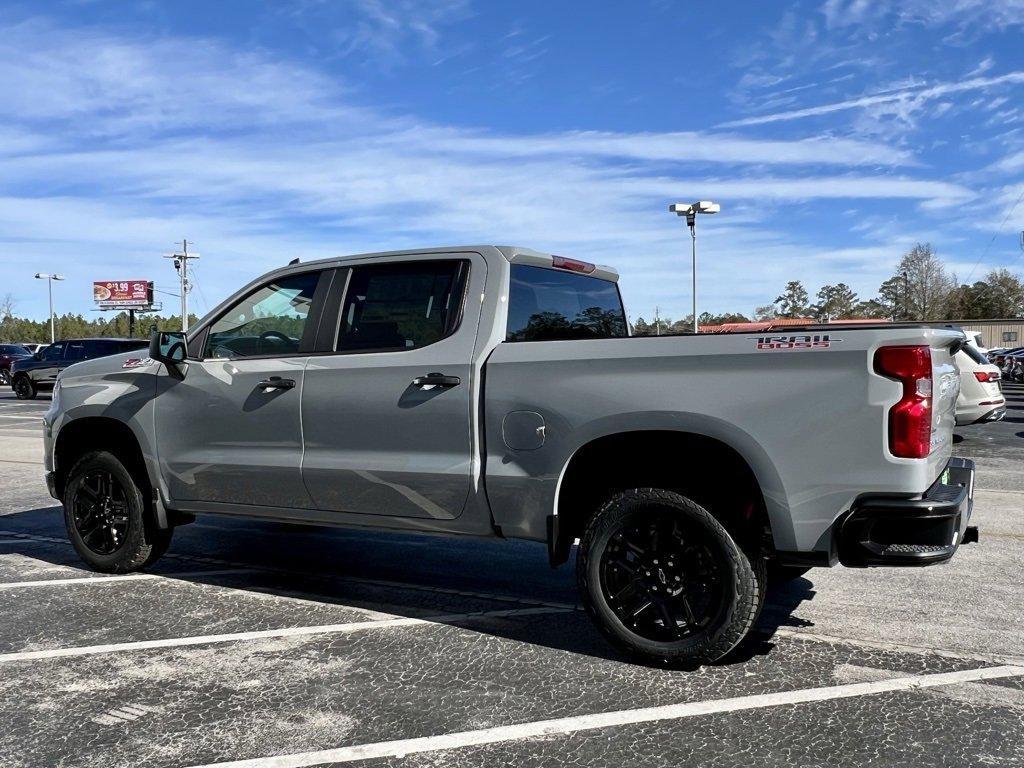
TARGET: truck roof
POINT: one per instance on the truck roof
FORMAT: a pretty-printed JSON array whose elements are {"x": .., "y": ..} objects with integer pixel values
[{"x": 514, "y": 254}]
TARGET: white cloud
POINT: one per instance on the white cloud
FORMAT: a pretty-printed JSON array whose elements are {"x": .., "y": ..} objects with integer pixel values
[
  {"x": 386, "y": 31},
  {"x": 904, "y": 100},
  {"x": 119, "y": 145},
  {"x": 961, "y": 13}
]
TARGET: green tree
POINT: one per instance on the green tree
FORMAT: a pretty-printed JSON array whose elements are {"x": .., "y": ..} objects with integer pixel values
[
  {"x": 793, "y": 301},
  {"x": 928, "y": 287},
  {"x": 642, "y": 328},
  {"x": 834, "y": 301}
]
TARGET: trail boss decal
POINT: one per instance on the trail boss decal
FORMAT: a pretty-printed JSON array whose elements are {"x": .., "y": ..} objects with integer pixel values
[{"x": 801, "y": 341}]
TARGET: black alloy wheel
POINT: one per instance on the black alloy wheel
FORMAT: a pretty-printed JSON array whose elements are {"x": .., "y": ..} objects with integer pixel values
[
  {"x": 661, "y": 576},
  {"x": 24, "y": 388},
  {"x": 664, "y": 581},
  {"x": 100, "y": 512}
]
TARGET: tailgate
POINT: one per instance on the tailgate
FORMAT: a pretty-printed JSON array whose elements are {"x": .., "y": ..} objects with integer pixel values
[{"x": 945, "y": 389}]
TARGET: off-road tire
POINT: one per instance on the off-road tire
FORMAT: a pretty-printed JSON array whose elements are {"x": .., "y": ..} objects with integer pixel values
[
  {"x": 142, "y": 542},
  {"x": 742, "y": 581},
  {"x": 24, "y": 388}
]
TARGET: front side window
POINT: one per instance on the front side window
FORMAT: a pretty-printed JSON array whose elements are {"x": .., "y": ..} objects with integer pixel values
[
  {"x": 394, "y": 307},
  {"x": 549, "y": 305},
  {"x": 268, "y": 322}
]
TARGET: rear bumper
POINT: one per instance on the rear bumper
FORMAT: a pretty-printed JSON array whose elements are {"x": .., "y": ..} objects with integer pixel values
[
  {"x": 886, "y": 531},
  {"x": 981, "y": 412}
]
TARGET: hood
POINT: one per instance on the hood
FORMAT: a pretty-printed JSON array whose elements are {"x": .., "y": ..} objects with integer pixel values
[{"x": 135, "y": 360}]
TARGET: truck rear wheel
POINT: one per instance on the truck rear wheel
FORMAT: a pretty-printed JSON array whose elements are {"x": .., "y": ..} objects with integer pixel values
[
  {"x": 665, "y": 582},
  {"x": 105, "y": 516}
]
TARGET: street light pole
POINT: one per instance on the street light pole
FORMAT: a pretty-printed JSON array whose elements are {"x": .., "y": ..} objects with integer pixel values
[
  {"x": 49, "y": 285},
  {"x": 690, "y": 211}
]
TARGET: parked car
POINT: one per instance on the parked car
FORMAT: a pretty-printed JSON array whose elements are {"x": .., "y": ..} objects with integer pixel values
[
  {"x": 980, "y": 398},
  {"x": 38, "y": 372},
  {"x": 1012, "y": 365},
  {"x": 494, "y": 392},
  {"x": 8, "y": 354},
  {"x": 975, "y": 338}
]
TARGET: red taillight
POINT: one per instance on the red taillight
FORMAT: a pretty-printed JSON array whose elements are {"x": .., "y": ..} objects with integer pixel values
[
  {"x": 984, "y": 376},
  {"x": 910, "y": 420},
  {"x": 560, "y": 262}
]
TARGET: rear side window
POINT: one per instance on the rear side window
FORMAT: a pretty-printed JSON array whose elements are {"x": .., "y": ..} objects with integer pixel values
[
  {"x": 549, "y": 305},
  {"x": 972, "y": 352},
  {"x": 394, "y": 307},
  {"x": 98, "y": 348},
  {"x": 54, "y": 351},
  {"x": 75, "y": 351}
]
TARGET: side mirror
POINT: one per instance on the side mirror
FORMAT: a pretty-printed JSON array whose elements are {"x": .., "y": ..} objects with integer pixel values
[
  {"x": 37, "y": 355},
  {"x": 167, "y": 347}
]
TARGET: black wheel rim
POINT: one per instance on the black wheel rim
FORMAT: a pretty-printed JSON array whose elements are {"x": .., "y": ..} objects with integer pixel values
[
  {"x": 100, "y": 512},
  {"x": 22, "y": 387},
  {"x": 661, "y": 577}
]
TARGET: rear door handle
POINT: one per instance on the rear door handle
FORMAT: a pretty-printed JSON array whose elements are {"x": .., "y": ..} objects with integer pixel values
[
  {"x": 276, "y": 382},
  {"x": 436, "y": 380}
]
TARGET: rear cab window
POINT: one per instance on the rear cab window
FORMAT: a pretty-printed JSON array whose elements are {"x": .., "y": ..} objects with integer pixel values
[{"x": 552, "y": 305}]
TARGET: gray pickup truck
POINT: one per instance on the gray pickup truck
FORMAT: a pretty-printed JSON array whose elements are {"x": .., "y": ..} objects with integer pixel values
[{"x": 495, "y": 391}]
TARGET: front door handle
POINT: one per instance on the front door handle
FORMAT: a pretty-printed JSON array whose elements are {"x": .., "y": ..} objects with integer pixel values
[
  {"x": 436, "y": 380},
  {"x": 276, "y": 382}
]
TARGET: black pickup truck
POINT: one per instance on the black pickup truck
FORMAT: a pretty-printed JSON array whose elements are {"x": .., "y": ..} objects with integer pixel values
[{"x": 31, "y": 374}]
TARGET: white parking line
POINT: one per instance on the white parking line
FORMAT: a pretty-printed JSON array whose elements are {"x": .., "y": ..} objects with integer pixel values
[
  {"x": 567, "y": 725},
  {"x": 234, "y": 637},
  {"x": 89, "y": 581}
]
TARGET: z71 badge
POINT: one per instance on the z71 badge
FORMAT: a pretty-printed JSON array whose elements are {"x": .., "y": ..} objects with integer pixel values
[
  {"x": 137, "y": 362},
  {"x": 801, "y": 341}
]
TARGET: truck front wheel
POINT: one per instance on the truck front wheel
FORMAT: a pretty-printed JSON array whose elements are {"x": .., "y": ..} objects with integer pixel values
[
  {"x": 105, "y": 516},
  {"x": 24, "y": 388},
  {"x": 664, "y": 581}
]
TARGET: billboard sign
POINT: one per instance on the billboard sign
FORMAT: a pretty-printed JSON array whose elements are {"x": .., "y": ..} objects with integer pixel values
[{"x": 122, "y": 293}]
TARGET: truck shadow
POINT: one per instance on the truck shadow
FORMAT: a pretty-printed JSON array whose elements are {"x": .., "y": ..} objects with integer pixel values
[{"x": 502, "y": 589}]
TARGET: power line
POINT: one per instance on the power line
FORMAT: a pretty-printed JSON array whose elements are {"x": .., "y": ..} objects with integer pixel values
[{"x": 998, "y": 232}]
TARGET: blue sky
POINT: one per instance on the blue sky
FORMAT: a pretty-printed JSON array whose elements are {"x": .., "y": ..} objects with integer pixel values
[{"x": 835, "y": 134}]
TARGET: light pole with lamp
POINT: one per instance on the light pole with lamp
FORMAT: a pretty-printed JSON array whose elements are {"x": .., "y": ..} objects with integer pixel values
[
  {"x": 690, "y": 211},
  {"x": 49, "y": 284}
]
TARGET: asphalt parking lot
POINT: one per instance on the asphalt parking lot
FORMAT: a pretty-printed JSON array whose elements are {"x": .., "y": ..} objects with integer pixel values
[{"x": 316, "y": 646}]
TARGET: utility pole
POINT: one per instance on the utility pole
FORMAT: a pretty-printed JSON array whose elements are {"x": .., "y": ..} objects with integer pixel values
[
  {"x": 181, "y": 266},
  {"x": 657, "y": 323}
]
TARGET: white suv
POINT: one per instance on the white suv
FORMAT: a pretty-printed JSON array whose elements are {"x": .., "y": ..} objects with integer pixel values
[{"x": 980, "y": 398}]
